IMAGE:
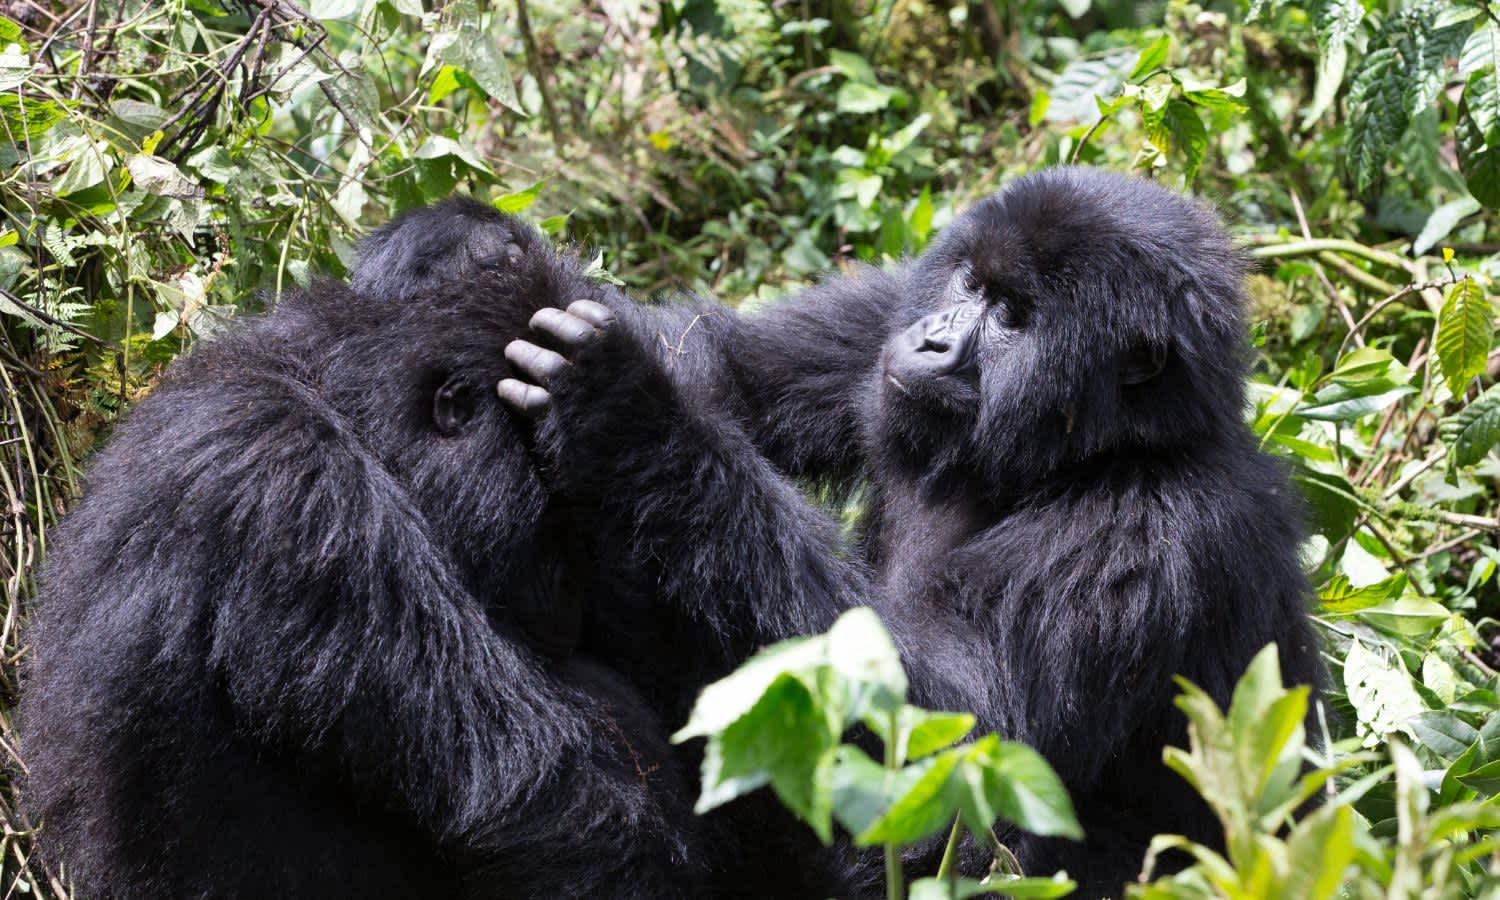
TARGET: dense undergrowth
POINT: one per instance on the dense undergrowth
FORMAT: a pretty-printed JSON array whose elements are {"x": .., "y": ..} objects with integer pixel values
[{"x": 168, "y": 164}]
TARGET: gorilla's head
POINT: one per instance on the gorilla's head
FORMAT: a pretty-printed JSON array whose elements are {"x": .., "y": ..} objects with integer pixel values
[
  {"x": 1074, "y": 315},
  {"x": 416, "y": 382},
  {"x": 428, "y": 247}
]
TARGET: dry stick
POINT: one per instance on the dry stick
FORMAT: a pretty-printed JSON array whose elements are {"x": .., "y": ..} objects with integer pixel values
[
  {"x": 538, "y": 71},
  {"x": 1413, "y": 473},
  {"x": 1355, "y": 273},
  {"x": 87, "y": 58}
]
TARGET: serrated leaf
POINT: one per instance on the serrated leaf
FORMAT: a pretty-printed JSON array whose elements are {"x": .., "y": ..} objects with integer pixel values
[
  {"x": 1377, "y": 115},
  {"x": 1477, "y": 134},
  {"x": 1464, "y": 335},
  {"x": 1082, "y": 80},
  {"x": 1473, "y": 430}
]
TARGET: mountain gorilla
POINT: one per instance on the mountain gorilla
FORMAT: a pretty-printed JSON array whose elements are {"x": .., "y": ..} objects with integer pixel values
[
  {"x": 312, "y": 631},
  {"x": 1068, "y": 509}
]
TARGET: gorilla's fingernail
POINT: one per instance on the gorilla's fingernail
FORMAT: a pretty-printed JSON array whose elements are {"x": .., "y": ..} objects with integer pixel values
[
  {"x": 570, "y": 329},
  {"x": 523, "y": 397},
  {"x": 593, "y": 312},
  {"x": 537, "y": 362}
]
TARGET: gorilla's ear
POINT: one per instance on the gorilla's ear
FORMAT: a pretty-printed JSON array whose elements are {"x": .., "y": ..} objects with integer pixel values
[{"x": 1143, "y": 362}]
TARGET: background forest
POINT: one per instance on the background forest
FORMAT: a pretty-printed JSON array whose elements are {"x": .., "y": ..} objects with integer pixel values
[{"x": 167, "y": 165}]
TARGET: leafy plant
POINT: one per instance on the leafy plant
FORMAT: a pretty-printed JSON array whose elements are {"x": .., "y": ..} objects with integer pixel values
[{"x": 779, "y": 720}]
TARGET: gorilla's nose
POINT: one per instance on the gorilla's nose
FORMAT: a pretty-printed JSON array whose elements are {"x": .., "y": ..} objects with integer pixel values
[{"x": 936, "y": 345}]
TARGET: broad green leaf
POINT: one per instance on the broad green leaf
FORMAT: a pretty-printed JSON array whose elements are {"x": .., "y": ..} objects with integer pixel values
[
  {"x": 1473, "y": 430},
  {"x": 1318, "y": 851},
  {"x": 1381, "y": 693},
  {"x": 858, "y": 97},
  {"x": 10, "y": 32},
  {"x": 936, "y": 731},
  {"x": 723, "y": 702},
  {"x": 863, "y": 790},
  {"x": 923, "y": 809},
  {"x": 1073, "y": 92},
  {"x": 1409, "y": 615},
  {"x": 1444, "y": 733},
  {"x": 1330, "y": 499},
  {"x": 1151, "y": 58},
  {"x": 1342, "y": 598},
  {"x": 1006, "y": 886},
  {"x": 1477, "y": 135},
  {"x": 520, "y": 200},
  {"x": 1485, "y": 779},
  {"x": 1377, "y": 115},
  {"x": 861, "y": 650},
  {"x": 1027, "y": 792},
  {"x": 1442, "y": 222},
  {"x": 852, "y": 66},
  {"x": 27, "y": 119},
  {"x": 1464, "y": 335},
  {"x": 920, "y": 220}
]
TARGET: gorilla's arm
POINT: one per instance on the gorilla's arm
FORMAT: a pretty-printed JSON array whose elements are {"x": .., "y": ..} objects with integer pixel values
[
  {"x": 794, "y": 374},
  {"x": 682, "y": 494}
]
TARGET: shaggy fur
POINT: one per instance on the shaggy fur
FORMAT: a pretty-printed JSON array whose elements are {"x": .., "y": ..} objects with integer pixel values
[
  {"x": 314, "y": 632},
  {"x": 1060, "y": 523}
]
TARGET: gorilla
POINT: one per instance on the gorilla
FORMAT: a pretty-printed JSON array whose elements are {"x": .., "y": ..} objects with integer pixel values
[
  {"x": 313, "y": 630},
  {"x": 1067, "y": 507}
]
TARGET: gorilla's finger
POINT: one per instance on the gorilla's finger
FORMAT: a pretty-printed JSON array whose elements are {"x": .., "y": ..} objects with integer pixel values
[
  {"x": 527, "y": 399},
  {"x": 539, "y": 363},
  {"x": 571, "y": 330},
  {"x": 593, "y": 312}
]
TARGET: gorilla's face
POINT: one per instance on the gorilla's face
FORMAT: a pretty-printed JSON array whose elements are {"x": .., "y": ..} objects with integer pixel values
[{"x": 1074, "y": 314}]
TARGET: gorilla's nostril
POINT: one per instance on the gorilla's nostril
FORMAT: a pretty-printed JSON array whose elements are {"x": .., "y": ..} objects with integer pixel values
[{"x": 934, "y": 345}]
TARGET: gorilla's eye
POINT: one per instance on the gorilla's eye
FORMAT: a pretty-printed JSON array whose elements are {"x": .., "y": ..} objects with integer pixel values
[
  {"x": 1014, "y": 311},
  {"x": 453, "y": 405},
  {"x": 971, "y": 282}
]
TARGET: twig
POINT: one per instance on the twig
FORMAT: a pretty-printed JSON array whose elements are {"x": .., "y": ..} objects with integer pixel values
[{"x": 1336, "y": 245}]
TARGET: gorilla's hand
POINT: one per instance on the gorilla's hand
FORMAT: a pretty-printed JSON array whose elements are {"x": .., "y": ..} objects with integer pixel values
[{"x": 600, "y": 398}]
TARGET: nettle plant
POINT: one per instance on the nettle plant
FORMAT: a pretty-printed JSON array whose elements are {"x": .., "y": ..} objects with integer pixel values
[{"x": 780, "y": 720}]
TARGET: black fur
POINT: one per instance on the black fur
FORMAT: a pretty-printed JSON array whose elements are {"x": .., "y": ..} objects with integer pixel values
[
  {"x": 307, "y": 636},
  {"x": 1071, "y": 515}
]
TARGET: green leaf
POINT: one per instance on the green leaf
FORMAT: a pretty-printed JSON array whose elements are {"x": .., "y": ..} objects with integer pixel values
[
  {"x": 1152, "y": 58},
  {"x": 1473, "y": 430},
  {"x": 1442, "y": 222},
  {"x": 1477, "y": 135},
  {"x": 852, "y": 66},
  {"x": 10, "y": 32},
  {"x": 1319, "y": 849},
  {"x": 520, "y": 200},
  {"x": 1027, "y": 791},
  {"x": 1004, "y": 885},
  {"x": 1410, "y": 615},
  {"x": 1464, "y": 334},
  {"x": 1381, "y": 693},
  {"x": 1377, "y": 115},
  {"x": 722, "y": 703},
  {"x": 472, "y": 49},
  {"x": 28, "y": 119},
  {"x": 1084, "y": 79},
  {"x": 863, "y": 790},
  {"x": 858, "y": 97},
  {"x": 1485, "y": 780},
  {"x": 924, "y": 808},
  {"x": 1444, "y": 733},
  {"x": 1339, "y": 597},
  {"x": 936, "y": 731}
]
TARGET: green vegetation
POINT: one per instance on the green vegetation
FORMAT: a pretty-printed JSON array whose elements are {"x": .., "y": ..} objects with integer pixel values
[{"x": 168, "y": 164}]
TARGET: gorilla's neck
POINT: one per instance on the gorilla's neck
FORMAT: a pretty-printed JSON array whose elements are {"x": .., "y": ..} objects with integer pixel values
[{"x": 927, "y": 528}]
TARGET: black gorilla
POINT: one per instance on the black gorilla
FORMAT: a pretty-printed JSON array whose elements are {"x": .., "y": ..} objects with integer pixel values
[
  {"x": 312, "y": 632},
  {"x": 1068, "y": 509}
]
